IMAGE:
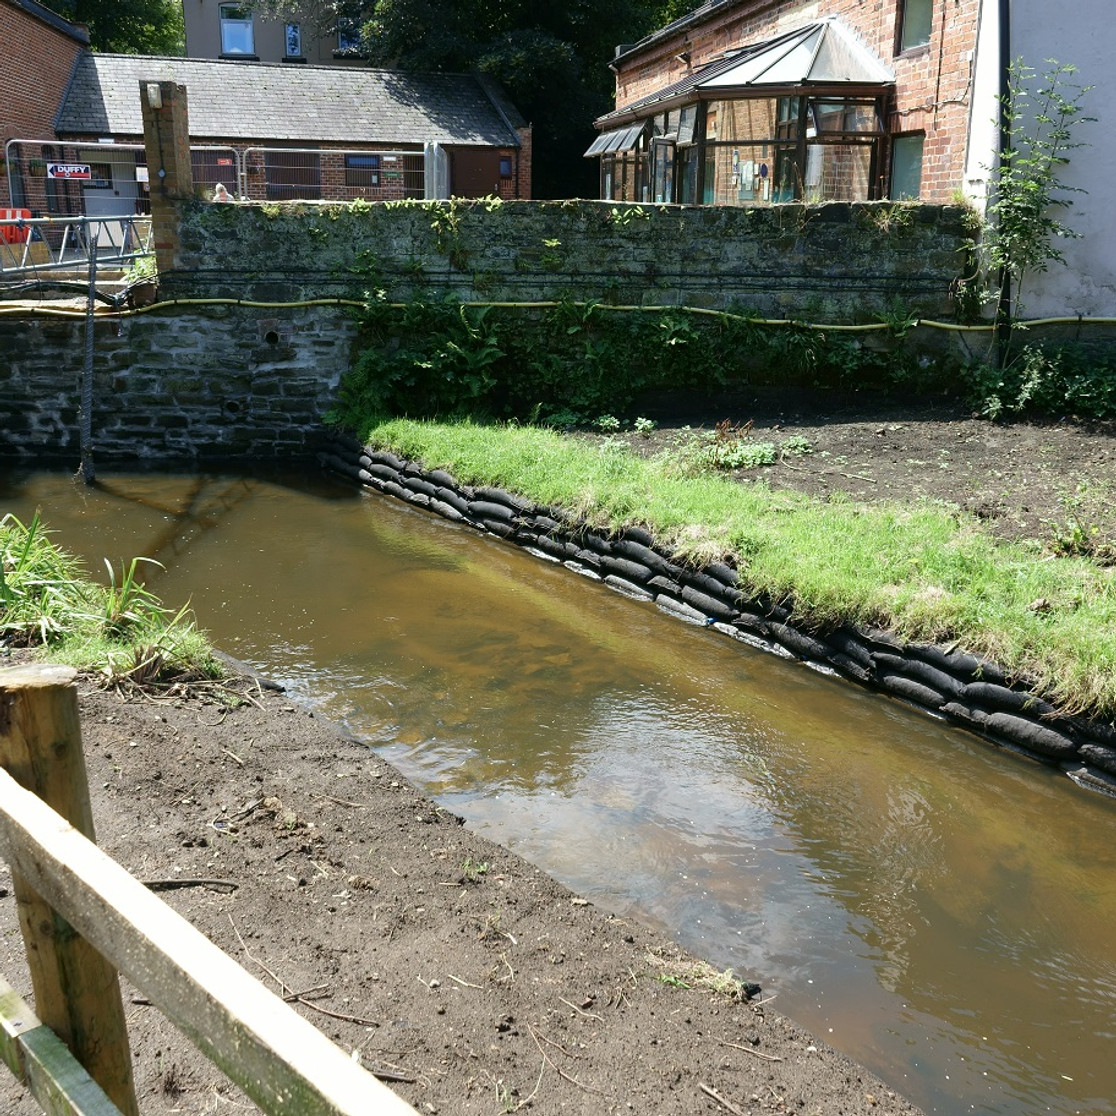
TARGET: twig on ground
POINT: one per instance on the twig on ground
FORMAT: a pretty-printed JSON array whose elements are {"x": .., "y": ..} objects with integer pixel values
[
  {"x": 751, "y": 1050},
  {"x": 173, "y": 885},
  {"x": 289, "y": 993},
  {"x": 558, "y": 1069},
  {"x": 587, "y": 1014},
  {"x": 531, "y": 1096},
  {"x": 710, "y": 1092},
  {"x": 342, "y": 801},
  {"x": 463, "y": 983},
  {"x": 233, "y": 755},
  {"x": 559, "y": 1046},
  {"x": 308, "y": 992}
]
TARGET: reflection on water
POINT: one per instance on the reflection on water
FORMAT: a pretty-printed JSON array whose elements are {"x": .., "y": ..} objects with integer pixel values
[{"x": 939, "y": 910}]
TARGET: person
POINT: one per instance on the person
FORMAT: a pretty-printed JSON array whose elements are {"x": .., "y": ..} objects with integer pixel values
[{"x": 220, "y": 194}]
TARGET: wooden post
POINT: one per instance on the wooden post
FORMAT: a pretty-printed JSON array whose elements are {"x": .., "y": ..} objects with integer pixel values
[{"x": 77, "y": 993}]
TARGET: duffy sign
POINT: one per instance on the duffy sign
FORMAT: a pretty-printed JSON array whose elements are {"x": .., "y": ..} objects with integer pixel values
[{"x": 69, "y": 170}]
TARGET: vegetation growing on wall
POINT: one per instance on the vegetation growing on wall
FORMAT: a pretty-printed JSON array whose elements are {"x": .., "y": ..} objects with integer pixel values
[{"x": 568, "y": 363}]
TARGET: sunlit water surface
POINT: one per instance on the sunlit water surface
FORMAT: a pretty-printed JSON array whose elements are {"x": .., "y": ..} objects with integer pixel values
[{"x": 942, "y": 911}]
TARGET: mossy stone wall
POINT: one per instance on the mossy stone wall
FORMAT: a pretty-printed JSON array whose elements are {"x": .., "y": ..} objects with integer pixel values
[{"x": 825, "y": 263}]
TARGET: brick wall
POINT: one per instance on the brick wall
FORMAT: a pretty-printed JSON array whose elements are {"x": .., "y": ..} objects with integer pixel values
[
  {"x": 933, "y": 82},
  {"x": 35, "y": 64}
]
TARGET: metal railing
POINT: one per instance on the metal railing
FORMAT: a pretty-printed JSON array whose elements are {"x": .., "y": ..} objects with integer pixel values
[
  {"x": 312, "y": 174},
  {"x": 29, "y": 245}
]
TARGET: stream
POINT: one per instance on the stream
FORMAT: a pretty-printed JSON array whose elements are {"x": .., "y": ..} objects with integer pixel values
[{"x": 939, "y": 909}]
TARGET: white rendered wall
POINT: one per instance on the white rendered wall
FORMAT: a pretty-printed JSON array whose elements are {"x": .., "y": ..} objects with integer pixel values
[{"x": 1081, "y": 33}]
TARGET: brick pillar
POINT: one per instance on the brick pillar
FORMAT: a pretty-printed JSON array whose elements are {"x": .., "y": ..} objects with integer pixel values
[{"x": 166, "y": 138}]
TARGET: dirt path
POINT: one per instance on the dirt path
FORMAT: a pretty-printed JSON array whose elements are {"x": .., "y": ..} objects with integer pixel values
[{"x": 468, "y": 974}]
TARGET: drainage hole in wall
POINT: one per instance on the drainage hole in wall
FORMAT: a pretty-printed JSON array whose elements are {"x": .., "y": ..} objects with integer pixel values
[
  {"x": 271, "y": 337},
  {"x": 232, "y": 406}
]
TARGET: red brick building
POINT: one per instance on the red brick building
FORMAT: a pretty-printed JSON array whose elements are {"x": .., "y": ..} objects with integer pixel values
[
  {"x": 745, "y": 102},
  {"x": 266, "y": 131},
  {"x": 39, "y": 50}
]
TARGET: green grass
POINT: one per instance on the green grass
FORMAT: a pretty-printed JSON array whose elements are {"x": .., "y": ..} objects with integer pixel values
[
  {"x": 120, "y": 630},
  {"x": 921, "y": 570}
]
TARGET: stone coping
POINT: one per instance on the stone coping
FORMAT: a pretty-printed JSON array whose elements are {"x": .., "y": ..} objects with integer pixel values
[{"x": 942, "y": 681}]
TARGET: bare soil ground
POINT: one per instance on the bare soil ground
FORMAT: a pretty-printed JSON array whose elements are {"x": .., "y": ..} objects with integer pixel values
[
  {"x": 1024, "y": 479},
  {"x": 465, "y": 975}
]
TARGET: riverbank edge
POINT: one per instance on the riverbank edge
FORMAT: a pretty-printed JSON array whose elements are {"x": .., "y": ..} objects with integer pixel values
[
  {"x": 353, "y": 898},
  {"x": 971, "y": 692}
]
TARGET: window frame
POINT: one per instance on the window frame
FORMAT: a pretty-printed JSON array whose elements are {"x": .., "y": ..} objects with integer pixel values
[
  {"x": 292, "y": 34},
  {"x": 904, "y": 20},
  {"x": 896, "y": 141},
  {"x": 363, "y": 169},
  {"x": 348, "y": 28},
  {"x": 243, "y": 21}
]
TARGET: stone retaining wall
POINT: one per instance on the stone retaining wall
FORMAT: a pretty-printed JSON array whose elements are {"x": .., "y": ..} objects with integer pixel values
[
  {"x": 192, "y": 384},
  {"x": 959, "y": 687},
  {"x": 837, "y": 262}
]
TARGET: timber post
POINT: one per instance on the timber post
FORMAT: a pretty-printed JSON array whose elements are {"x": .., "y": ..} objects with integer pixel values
[{"x": 77, "y": 992}]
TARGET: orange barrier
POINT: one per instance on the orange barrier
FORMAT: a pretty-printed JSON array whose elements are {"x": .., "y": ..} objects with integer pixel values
[{"x": 13, "y": 234}]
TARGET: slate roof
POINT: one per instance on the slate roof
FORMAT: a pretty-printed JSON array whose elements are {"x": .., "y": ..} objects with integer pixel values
[{"x": 273, "y": 101}]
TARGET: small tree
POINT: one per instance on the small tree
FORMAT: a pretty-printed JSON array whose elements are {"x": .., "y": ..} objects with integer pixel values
[{"x": 1038, "y": 134}]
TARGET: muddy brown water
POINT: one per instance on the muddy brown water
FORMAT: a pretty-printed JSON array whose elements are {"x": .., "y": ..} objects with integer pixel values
[{"x": 940, "y": 910}]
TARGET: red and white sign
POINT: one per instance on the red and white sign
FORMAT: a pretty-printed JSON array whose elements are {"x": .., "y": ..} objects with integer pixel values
[{"x": 69, "y": 170}]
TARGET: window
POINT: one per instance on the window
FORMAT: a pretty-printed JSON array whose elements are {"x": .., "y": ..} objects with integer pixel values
[
  {"x": 505, "y": 166},
  {"x": 915, "y": 19},
  {"x": 293, "y": 39},
  {"x": 236, "y": 29},
  {"x": 906, "y": 166},
  {"x": 362, "y": 170},
  {"x": 348, "y": 35}
]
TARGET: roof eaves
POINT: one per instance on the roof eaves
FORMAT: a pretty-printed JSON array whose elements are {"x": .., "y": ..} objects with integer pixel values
[
  {"x": 69, "y": 85},
  {"x": 76, "y": 31},
  {"x": 692, "y": 19}
]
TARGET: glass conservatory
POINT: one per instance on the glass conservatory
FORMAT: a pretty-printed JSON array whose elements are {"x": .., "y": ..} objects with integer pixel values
[{"x": 797, "y": 118}]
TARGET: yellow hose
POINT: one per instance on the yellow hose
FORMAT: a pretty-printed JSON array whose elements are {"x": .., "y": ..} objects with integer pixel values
[{"x": 15, "y": 308}]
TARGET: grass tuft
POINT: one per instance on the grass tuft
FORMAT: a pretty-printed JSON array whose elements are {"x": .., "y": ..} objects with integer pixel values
[{"x": 120, "y": 631}]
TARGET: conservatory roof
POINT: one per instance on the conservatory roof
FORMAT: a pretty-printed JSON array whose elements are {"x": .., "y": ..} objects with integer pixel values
[{"x": 822, "y": 54}]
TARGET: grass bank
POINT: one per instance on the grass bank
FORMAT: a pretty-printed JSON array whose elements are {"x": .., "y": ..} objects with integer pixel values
[
  {"x": 920, "y": 570},
  {"x": 120, "y": 630}
]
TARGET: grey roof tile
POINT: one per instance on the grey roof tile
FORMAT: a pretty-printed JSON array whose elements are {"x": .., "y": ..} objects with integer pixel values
[{"x": 271, "y": 101}]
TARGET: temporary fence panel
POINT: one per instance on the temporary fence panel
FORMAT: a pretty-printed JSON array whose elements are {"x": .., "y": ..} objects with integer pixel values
[
  {"x": 33, "y": 244},
  {"x": 310, "y": 174},
  {"x": 102, "y": 179},
  {"x": 217, "y": 165}
]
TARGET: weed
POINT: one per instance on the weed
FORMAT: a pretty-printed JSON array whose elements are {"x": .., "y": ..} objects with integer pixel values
[
  {"x": 1089, "y": 529},
  {"x": 671, "y": 980},
  {"x": 1023, "y": 232},
  {"x": 679, "y": 973},
  {"x": 622, "y": 218},
  {"x": 644, "y": 426},
  {"x": 473, "y": 870},
  {"x": 121, "y": 631},
  {"x": 607, "y": 423}
]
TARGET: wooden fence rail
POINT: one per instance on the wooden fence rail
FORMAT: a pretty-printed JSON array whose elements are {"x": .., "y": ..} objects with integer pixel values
[{"x": 70, "y": 892}]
